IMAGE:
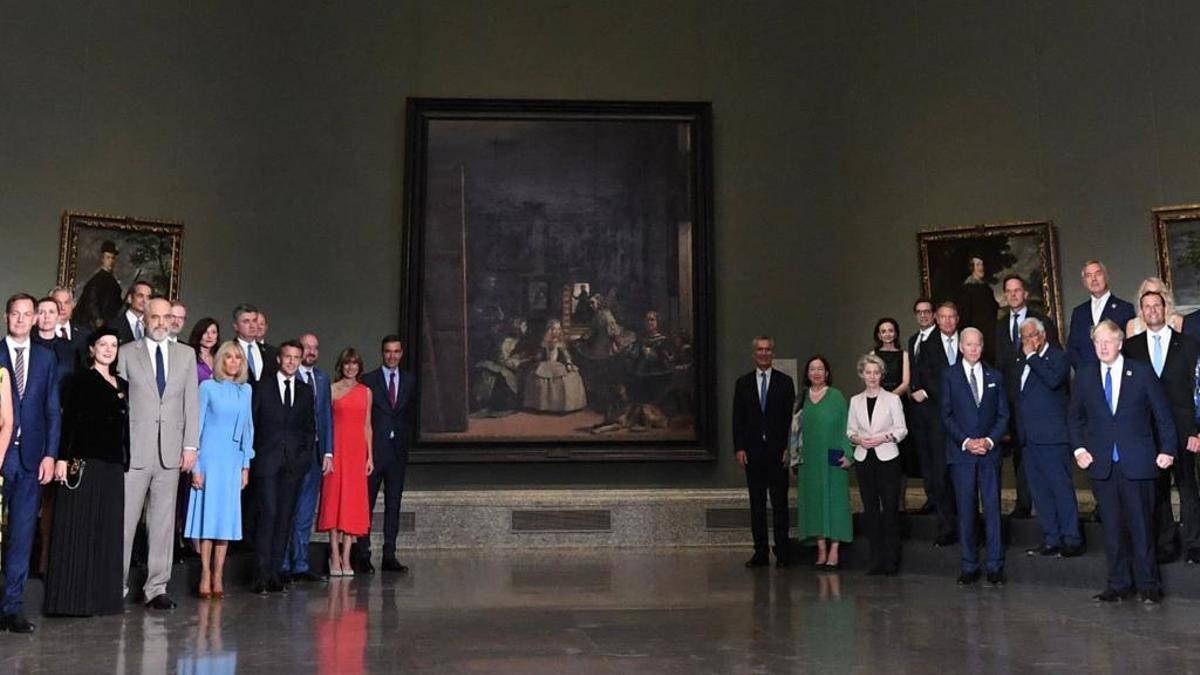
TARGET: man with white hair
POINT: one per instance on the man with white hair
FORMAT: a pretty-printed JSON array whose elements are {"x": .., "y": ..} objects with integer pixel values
[
  {"x": 975, "y": 415},
  {"x": 1101, "y": 305},
  {"x": 1121, "y": 428}
]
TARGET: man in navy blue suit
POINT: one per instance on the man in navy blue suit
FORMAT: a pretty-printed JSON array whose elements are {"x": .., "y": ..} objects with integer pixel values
[
  {"x": 393, "y": 399},
  {"x": 29, "y": 460},
  {"x": 1100, "y": 306},
  {"x": 1123, "y": 434},
  {"x": 1041, "y": 411},
  {"x": 296, "y": 563},
  {"x": 975, "y": 414}
]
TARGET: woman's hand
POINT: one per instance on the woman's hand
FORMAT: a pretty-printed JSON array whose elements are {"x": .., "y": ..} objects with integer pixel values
[
  {"x": 245, "y": 477},
  {"x": 844, "y": 463},
  {"x": 60, "y": 471},
  {"x": 370, "y": 466},
  {"x": 197, "y": 480},
  {"x": 326, "y": 465}
]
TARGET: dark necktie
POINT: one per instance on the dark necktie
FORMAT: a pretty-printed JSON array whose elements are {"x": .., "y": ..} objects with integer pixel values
[
  {"x": 19, "y": 367},
  {"x": 975, "y": 388},
  {"x": 1016, "y": 332},
  {"x": 287, "y": 392},
  {"x": 250, "y": 363},
  {"x": 762, "y": 393},
  {"x": 160, "y": 371},
  {"x": 392, "y": 389}
]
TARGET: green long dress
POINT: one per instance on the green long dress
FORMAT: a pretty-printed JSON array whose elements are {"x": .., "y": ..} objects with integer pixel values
[{"x": 823, "y": 490}]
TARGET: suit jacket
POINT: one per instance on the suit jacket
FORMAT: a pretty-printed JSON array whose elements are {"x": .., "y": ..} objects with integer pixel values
[
  {"x": 1191, "y": 325},
  {"x": 323, "y": 402},
  {"x": 283, "y": 437},
  {"x": 120, "y": 323},
  {"x": 37, "y": 416},
  {"x": 270, "y": 354},
  {"x": 1041, "y": 405},
  {"x": 963, "y": 419},
  {"x": 1009, "y": 358},
  {"x": 160, "y": 428},
  {"x": 750, "y": 424},
  {"x": 888, "y": 418},
  {"x": 64, "y": 358},
  {"x": 1177, "y": 379},
  {"x": 1141, "y": 428},
  {"x": 391, "y": 427},
  {"x": 931, "y": 365},
  {"x": 1080, "y": 351}
]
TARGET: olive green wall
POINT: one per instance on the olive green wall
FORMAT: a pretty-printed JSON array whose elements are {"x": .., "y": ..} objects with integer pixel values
[{"x": 275, "y": 132}]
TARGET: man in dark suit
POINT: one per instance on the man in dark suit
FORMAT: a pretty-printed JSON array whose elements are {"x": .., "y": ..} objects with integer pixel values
[
  {"x": 393, "y": 398},
  {"x": 46, "y": 336},
  {"x": 261, "y": 359},
  {"x": 1172, "y": 355},
  {"x": 1007, "y": 348},
  {"x": 938, "y": 352},
  {"x": 1101, "y": 305},
  {"x": 762, "y": 418},
  {"x": 284, "y": 439},
  {"x": 100, "y": 299},
  {"x": 923, "y": 314},
  {"x": 296, "y": 562},
  {"x": 975, "y": 413},
  {"x": 1042, "y": 375},
  {"x": 131, "y": 324},
  {"x": 1121, "y": 427},
  {"x": 1191, "y": 325},
  {"x": 32, "y": 450},
  {"x": 68, "y": 328}
]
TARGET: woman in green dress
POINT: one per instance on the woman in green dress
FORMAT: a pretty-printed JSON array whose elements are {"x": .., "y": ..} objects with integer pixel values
[{"x": 823, "y": 480}]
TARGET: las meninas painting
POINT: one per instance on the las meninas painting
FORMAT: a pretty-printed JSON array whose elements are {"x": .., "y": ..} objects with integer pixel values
[{"x": 558, "y": 307}]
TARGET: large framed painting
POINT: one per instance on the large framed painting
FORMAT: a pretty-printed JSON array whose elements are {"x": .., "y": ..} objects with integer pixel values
[
  {"x": 1177, "y": 245},
  {"x": 100, "y": 257},
  {"x": 967, "y": 265},
  {"x": 558, "y": 302}
]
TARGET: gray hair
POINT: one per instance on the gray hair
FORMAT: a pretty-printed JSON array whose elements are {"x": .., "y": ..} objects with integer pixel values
[
  {"x": 1083, "y": 270},
  {"x": 870, "y": 359},
  {"x": 970, "y": 329},
  {"x": 1036, "y": 323},
  {"x": 62, "y": 289},
  {"x": 759, "y": 338}
]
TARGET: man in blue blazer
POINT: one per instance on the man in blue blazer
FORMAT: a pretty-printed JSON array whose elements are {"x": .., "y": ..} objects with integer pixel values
[
  {"x": 975, "y": 414},
  {"x": 32, "y": 450},
  {"x": 1101, "y": 305},
  {"x": 1121, "y": 427},
  {"x": 1041, "y": 412},
  {"x": 393, "y": 400},
  {"x": 295, "y": 564}
]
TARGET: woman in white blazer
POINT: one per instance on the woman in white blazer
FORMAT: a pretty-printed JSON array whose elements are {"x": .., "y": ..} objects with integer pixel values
[{"x": 875, "y": 425}]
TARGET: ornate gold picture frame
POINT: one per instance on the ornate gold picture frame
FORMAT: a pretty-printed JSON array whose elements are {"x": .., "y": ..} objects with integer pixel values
[{"x": 1177, "y": 247}]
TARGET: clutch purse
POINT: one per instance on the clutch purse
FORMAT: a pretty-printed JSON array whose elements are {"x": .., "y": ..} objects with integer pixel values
[
  {"x": 74, "y": 471},
  {"x": 835, "y": 456}
]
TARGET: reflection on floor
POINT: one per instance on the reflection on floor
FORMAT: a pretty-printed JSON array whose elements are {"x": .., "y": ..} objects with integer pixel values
[
  {"x": 620, "y": 611},
  {"x": 529, "y": 426}
]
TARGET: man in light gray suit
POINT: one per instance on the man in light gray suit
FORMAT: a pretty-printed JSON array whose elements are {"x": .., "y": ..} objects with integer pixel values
[{"x": 164, "y": 432}]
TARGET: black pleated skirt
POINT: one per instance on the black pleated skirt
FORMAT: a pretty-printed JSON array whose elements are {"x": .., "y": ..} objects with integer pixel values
[{"x": 83, "y": 575}]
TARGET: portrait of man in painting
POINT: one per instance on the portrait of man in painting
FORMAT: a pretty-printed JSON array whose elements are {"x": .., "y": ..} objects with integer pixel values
[
  {"x": 561, "y": 305},
  {"x": 967, "y": 265}
]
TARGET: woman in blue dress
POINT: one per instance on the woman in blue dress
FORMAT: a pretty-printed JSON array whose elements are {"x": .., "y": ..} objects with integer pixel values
[{"x": 226, "y": 447}]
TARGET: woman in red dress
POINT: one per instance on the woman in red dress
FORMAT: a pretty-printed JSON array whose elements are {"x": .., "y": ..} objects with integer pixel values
[{"x": 344, "y": 512}]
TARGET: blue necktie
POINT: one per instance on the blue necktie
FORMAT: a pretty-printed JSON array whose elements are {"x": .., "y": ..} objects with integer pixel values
[
  {"x": 1157, "y": 357},
  {"x": 160, "y": 376},
  {"x": 1108, "y": 396},
  {"x": 762, "y": 393},
  {"x": 250, "y": 363},
  {"x": 950, "y": 355}
]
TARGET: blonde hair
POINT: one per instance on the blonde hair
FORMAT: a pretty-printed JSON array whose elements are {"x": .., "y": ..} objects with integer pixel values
[
  {"x": 871, "y": 359},
  {"x": 1163, "y": 289},
  {"x": 219, "y": 363}
]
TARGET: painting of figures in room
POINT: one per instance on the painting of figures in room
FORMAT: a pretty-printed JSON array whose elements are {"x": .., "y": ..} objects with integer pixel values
[{"x": 558, "y": 300}]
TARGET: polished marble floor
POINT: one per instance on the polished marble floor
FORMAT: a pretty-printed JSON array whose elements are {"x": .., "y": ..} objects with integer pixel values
[{"x": 621, "y": 611}]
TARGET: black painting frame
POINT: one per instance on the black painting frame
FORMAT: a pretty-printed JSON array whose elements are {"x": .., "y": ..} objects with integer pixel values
[{"x": 698, "y": 116}]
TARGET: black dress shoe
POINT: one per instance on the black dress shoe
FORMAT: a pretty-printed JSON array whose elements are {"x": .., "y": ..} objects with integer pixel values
[
  {"x": 945, "y": 540},
  {"x": 276, "y": 586},
  {"x": 1072, "y": 551},
  {"x": 758, "y": 561},
  {"x": 1021, "y": 512},
  {"x": 16, "y": 623},
  {"x": 364, "y": 567},
  {"x": 259, "y": 587},
  {"x": 161, "y": 602},
  {"x": 968, "y": 578},
  {"x": 1044, "y": 551},
  {"x": 782, "y": 563},
  {"x": 1166, "y": 557},
  {"x": 925, "y": 508},
  {"x": 393, "y": 565},
  {"x": 1152, "y": 596},
  {"x": 308, "y": 575},
  {"x": 1111, "y": 595},
  {"x": 996, "y": 579},
  {"x": 1193, "y": 556}
]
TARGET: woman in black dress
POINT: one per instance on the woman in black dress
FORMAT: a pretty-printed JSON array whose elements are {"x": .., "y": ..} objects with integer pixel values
[
  {"x": 84, "y": 573},
  {"x": 896, "y": 379}
]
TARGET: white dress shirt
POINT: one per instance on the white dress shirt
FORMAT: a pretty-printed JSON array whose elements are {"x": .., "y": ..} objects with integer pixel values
[
  {"x": 1025, "y": 372},
  {"x": 1118, "y": 369},
  {"x": 1098, "y": 305},
  {"x": 252, "y": 348},
  {"x": 758, "y": 384},
  {"x": 151, "y": 347},
  {"x": 133, "y": 320}
]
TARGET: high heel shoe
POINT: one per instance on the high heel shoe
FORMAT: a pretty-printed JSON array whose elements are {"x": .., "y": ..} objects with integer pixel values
[{"x": 335, "y": 570}]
